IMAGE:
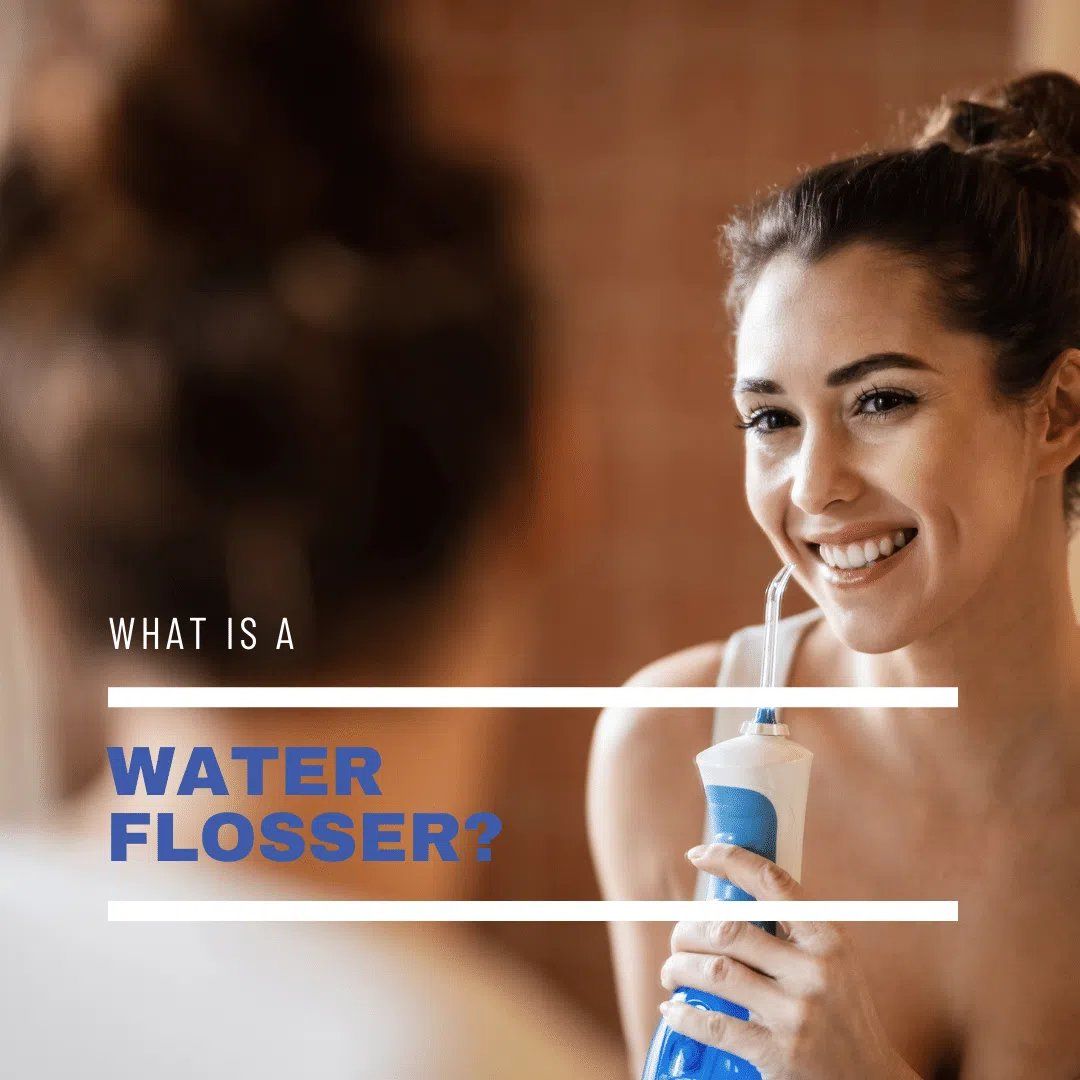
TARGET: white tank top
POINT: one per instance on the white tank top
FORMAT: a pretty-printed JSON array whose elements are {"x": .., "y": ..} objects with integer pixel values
[{"x": 741, "y": 666}]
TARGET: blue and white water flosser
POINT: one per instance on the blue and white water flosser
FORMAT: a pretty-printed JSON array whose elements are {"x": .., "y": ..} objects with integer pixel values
[{"x": 755, "y": 787}]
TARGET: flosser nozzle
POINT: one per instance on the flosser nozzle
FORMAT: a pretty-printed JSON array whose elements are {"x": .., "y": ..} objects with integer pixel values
[{"x": 773, "y": 595}]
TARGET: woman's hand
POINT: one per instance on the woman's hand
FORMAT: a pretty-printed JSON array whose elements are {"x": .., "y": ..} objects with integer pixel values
[{"x": 811, "y": 1016}]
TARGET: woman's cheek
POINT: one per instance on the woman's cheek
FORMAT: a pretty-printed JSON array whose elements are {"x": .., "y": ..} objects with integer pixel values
[
  {"x": 911, "y": 472},
  {"x": 766, "y": 494},
  {"x": 966, "y": 481}
]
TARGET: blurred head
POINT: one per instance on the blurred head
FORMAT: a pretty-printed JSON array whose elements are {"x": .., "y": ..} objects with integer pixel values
[
  {"x": 266, "y": 352},
  {"x": 907, "y": 364}
]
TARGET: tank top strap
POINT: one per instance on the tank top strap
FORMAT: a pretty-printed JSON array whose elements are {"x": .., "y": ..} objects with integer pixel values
[{"x": 741, "y": 664}]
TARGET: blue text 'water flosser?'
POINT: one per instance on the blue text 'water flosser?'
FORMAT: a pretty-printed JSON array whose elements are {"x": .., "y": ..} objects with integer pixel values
[{"x": 755, "y": 786}]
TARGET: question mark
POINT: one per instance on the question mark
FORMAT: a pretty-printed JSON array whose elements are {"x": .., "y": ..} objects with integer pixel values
[{"x": 487, "y": 826}]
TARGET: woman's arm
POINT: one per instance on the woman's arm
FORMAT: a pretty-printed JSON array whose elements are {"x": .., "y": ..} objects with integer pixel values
[{"x": 645, "y": 807}]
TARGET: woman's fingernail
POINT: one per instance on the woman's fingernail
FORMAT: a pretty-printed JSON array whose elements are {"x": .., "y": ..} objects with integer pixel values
[
  {"x": 664, "y": 1006},
  {"x": 697, "y": 852}
]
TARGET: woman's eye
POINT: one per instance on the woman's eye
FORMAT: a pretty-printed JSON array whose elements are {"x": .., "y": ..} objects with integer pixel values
[
  {"x": 765, "y": 421},
  {"x": 876, "y": 402},
  {"x": 873, "y": 404}
]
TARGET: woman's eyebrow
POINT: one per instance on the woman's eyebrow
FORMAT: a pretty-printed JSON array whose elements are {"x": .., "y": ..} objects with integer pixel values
[
  {"x": 874, "y": 362},
  {"x": 841, "y": 376}
]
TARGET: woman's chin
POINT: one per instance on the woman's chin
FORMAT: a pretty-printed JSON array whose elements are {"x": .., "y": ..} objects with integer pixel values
[
  {"x": 874, "y": 609},
  {"x": 870, "y": 632}
]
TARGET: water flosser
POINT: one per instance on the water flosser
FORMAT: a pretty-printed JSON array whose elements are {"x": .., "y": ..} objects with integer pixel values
[{"x": 755, "y": 786}]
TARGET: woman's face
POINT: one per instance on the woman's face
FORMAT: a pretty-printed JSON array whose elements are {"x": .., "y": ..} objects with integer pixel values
[{"x": 878, "y": 460}]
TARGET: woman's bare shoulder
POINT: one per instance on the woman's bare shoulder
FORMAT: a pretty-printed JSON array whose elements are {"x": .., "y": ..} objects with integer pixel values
[
  {"x": 621, "y": 730},
  {"x": 699, "y": 665},
  {"x": 644, "y": 795}
]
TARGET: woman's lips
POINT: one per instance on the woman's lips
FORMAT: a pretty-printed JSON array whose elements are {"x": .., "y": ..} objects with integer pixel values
[{"x": 848, "y": 577}]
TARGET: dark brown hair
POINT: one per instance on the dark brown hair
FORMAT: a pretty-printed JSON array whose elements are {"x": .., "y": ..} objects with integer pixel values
[
  {"x": 292, "y": 340},
  {"x": 985, "y": 201}
]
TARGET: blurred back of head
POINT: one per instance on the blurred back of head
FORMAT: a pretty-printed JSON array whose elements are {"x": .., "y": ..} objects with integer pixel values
[{"x": 266, "y": 352}]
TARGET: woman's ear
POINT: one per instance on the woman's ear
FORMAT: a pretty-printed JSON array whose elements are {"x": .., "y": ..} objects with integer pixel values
[{"x": 1060, "y": 415}]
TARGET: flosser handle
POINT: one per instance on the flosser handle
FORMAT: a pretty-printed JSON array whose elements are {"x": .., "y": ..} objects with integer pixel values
[{"x": 747, "y": 818}]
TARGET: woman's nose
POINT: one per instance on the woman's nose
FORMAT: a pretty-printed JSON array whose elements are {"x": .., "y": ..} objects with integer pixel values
[{"x": 824, "y": 472}]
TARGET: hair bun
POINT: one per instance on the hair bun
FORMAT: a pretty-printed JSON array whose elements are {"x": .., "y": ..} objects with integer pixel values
[
  {"x": 1050, "y": 102},
  {"x": 1030, "y": 126}
]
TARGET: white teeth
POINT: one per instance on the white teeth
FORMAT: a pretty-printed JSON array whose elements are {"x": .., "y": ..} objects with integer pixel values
[
  {"x": 855, "y": 556},
  {"x": 863, "y": 552}
]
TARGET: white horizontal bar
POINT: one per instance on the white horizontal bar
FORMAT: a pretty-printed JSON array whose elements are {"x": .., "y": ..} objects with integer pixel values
[
  {"x": 532, "y": 910},
  {"x": 530, "y": 697}
]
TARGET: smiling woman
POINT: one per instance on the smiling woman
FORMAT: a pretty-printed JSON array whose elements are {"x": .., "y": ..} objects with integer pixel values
[
  {"x": 908, "y": 380},
  {"x": 842, "y": 457}
]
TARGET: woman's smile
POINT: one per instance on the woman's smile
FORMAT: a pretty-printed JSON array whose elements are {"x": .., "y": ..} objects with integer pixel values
[{"x": 847, "y": 563}]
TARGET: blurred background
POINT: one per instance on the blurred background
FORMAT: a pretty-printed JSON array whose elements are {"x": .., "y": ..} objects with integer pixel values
[{"x": 633, "y": 128}]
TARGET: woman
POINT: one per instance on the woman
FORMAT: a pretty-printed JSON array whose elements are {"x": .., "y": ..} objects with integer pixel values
[
  {"x": 908, "y": 378},
  {"x": 266, "y": 354}
]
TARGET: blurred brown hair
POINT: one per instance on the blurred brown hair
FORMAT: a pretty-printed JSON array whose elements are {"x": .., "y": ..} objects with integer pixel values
[{"x": 266, "y": 352}]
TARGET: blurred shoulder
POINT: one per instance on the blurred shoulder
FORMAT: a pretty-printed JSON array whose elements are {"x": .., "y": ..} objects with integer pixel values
[{"x": 340, "y": 999}]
